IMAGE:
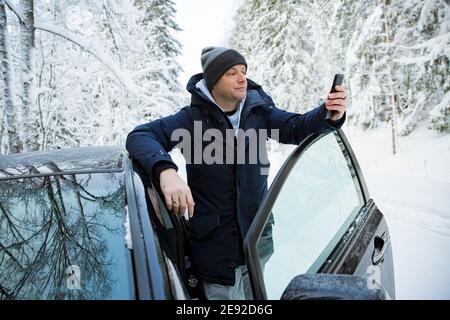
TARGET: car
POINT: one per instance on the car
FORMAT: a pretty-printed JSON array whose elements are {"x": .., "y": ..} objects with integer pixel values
[{"x": 89, "y": 223}]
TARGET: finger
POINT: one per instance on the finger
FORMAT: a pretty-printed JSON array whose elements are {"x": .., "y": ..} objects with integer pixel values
[
  {"x": 333, "y": 105},
  {"x": 335, "y": 102},
  {"x": 175, "y": 204},
  {"x": 168, "y": 199},
  {"x": 336, "y": 107},
  {"x": 183, "y": 205},
  {"x": 190, "y": 203},
  {"x": 337, "y": 95},
  {"x": 339, "y": 88}
]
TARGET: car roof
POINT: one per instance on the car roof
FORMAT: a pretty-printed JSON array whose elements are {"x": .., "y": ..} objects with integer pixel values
[{"x": 84, "y": 159}]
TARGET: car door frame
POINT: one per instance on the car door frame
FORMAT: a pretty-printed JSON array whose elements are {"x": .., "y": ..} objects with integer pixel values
[
  {"x": 147, "y": 257},
  {"x": 157, "y": 265},
  {"x": 263, "y": 213}
]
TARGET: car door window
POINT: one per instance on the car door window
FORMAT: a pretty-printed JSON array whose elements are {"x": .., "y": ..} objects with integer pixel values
[
  {"x": 63, "y": 237},
  {"x": 316, "y": 204}
]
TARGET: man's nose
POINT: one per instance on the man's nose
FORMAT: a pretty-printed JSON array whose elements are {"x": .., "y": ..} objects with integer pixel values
[{"x": 241, "y": 77}]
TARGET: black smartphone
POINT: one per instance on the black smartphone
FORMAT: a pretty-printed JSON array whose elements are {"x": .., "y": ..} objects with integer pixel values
[{"x": 337, "y": 81}]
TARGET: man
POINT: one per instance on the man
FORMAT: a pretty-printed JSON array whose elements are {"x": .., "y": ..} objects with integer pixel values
[{"x": 223, "y": 197}]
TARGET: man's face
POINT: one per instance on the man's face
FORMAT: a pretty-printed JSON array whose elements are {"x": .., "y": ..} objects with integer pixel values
[{"x": 232, "y": 85}]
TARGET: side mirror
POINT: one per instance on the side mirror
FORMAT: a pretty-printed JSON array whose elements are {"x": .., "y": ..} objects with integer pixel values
[{"x": 333, "y": 287}]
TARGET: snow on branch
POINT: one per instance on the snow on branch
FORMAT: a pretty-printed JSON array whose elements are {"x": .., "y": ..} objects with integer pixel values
[
  {"x": 16, "y": 12},
  {"x": 437, "y": 46},
  {"x": 438, "y": 40},
  {"x": 440, "y": 108},
  {"x": 97, "y": 51}
]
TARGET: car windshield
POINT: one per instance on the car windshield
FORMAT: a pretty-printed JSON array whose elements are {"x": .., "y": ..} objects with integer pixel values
[{"x": 62, "y": 237}]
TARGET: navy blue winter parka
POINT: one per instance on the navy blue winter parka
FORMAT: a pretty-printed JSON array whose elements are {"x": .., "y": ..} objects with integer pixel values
[{"x": 226, "y": 195}]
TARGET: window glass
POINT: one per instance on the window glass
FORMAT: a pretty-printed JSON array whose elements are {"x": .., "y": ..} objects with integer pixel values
[
  {"x": 316, "y": 204},
  {"x": 63, "y": 237}
]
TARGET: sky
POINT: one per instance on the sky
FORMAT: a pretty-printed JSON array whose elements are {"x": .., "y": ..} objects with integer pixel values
[{"x": 203, "y": 23}]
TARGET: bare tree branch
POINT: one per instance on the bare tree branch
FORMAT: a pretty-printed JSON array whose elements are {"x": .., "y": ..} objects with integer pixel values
[{"x": 16, "y": 12}]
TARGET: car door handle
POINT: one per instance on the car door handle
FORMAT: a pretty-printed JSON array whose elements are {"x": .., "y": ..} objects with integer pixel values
[{"x": 380, "y": 245}]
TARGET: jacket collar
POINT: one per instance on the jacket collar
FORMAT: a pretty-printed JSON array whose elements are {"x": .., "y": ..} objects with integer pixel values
[{"x": 198, "y": 98}]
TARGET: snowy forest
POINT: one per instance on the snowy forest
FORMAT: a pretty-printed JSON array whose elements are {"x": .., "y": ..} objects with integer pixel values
[{"x": 79, "y": 73}]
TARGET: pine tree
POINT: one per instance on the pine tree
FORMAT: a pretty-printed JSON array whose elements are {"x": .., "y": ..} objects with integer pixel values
[{"x": 158, "y": 26}]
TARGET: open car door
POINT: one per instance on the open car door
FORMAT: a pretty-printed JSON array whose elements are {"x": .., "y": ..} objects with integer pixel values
[{"x": 317, "y": 234}]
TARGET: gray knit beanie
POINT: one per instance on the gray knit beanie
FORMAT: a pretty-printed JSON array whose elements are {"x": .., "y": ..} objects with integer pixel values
[{"x": 216, "y": 61}]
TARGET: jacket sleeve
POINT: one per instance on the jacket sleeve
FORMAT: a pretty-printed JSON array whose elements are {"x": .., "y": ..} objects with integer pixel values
[
  {"x": 294, "y": 127},
  {"x": 150, "y": 143}
]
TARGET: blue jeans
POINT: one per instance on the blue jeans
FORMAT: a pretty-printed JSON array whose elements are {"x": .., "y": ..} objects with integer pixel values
[{"x": 215, "y": 291}]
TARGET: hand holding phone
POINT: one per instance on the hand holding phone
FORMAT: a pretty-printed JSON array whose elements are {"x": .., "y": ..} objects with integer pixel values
[{"x": 337, "y": 81}]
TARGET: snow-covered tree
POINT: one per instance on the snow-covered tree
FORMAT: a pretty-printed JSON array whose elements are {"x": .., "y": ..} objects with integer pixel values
[
  {"x": 159, "y": 26},
  {"x": 97, "y": 70},
  {"x": 290, "y": 47},
  {"x": 362, "y": 64},
  {"x": 294, "y": 47},
  {"x": 9, "y": 112},
  {"x": 416, "y": 56},
  {"x": 440, "y": 115},
  {"x": 27, "y": 46},
  {"x": 422, "y": 42}
]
